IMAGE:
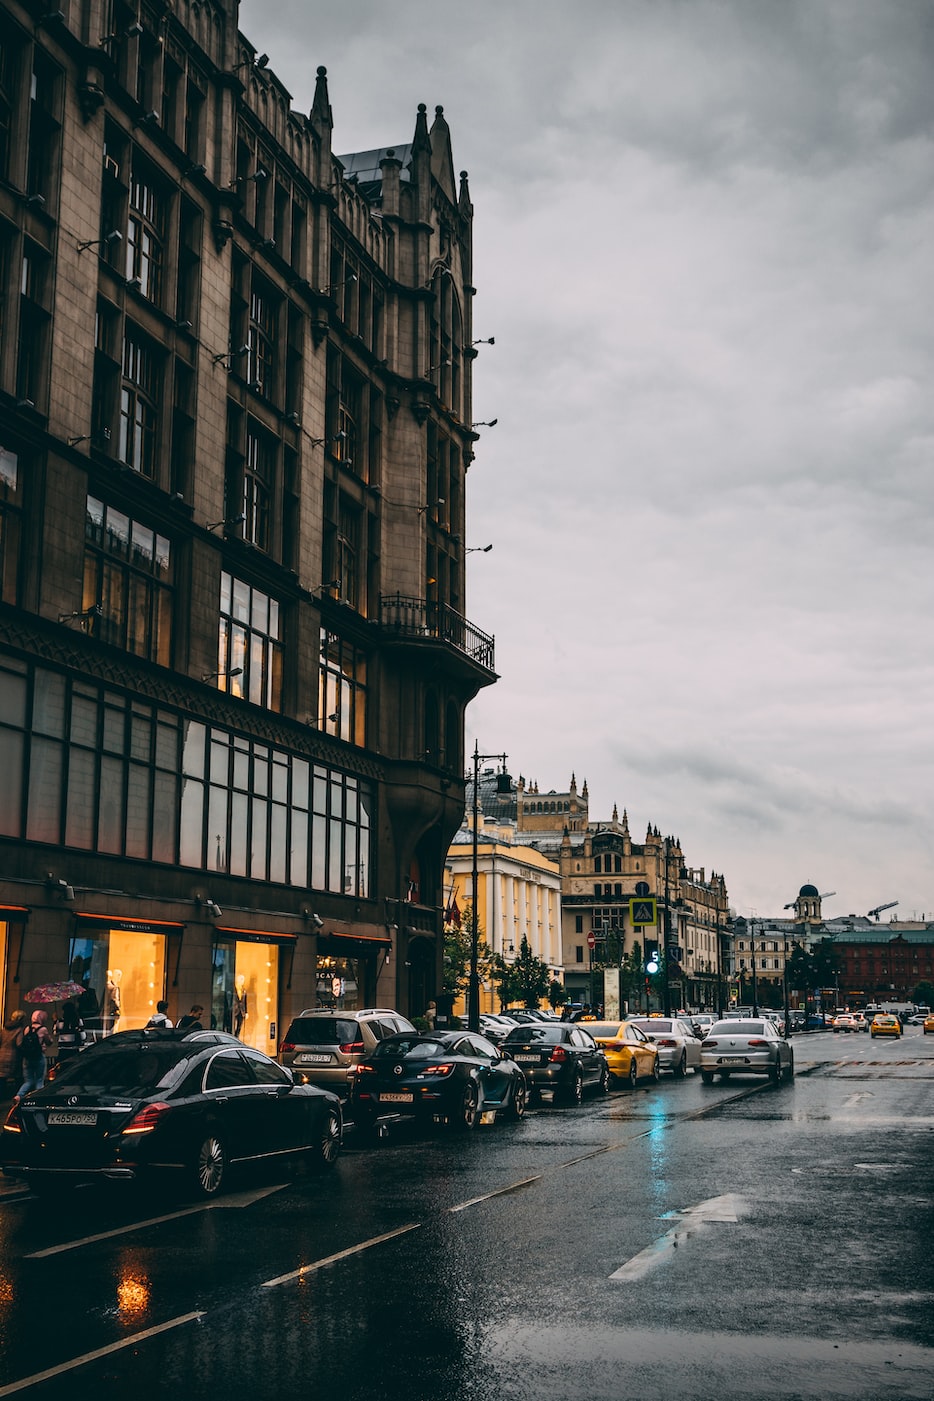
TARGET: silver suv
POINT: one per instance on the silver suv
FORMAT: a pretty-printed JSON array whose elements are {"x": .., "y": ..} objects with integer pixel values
[{"x": 323, "y": 1047}]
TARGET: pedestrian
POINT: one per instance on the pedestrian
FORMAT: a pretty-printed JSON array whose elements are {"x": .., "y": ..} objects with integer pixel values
[
  {"x": 191, "y": 1021},
  {"x": 36, "y": 1041},
  {"x": 11, "y": 1052},
  {"x": 431, "y": 1013},
  {"x": 70, "y": 1032},
  {"x": 160, "y": 1017}
]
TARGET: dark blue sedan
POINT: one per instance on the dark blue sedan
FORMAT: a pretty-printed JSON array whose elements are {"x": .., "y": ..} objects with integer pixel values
[{"x": 447, "y": 1076}]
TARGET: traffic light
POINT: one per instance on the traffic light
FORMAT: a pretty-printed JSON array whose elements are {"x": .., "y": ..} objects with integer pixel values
[{"x": 651, "y": 958}]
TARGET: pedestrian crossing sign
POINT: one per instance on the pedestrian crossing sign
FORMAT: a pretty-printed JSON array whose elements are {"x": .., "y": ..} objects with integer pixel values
[{"x": 642, "y": 912}]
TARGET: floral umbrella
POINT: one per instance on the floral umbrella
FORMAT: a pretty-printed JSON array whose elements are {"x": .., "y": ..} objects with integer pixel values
[{"x": 54, "y": 992}]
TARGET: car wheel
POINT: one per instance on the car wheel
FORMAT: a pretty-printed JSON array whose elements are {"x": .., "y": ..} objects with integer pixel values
[
  {"x": 656, "y": 1070},
  {"x": 633, "y": 1073},
  {"x": 209, "y": 1166},
  {"x": 791, "y": 1067},
  {"x": 681, "y": 1069},
  {"x": 518, "y": 1102},
  {"x": 574, "y": 1094},
  {"x": 326, "y": 1148},
  {"x": 468, "y": 1115},
  {"x": 777, "y": 1073},
  {"x": 604, "y": 1085},
  {"x": 707, "y": 1077}
]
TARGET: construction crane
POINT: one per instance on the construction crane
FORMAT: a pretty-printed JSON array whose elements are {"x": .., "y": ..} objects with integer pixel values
[{"x": 879, "y": 908}]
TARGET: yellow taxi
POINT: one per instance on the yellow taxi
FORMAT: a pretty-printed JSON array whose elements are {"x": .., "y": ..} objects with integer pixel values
[
  {"x": 884, "y": 1025},
  {"x": 929, "y": 1023},
  {"x": 629, "y": 1052}
]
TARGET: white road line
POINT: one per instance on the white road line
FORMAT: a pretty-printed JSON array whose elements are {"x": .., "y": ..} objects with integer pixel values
[
  {"x": 117, "y": 1231},
  {"x": 500, "y": 1192},
  {"x": 341, "y": 1255},
  {"x": 69, "y": 1366},
  {"x": 691, "y": 1220}
]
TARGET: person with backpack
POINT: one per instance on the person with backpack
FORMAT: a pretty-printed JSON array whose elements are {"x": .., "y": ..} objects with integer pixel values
[
  {"x": 36, "y": 1041},
  {"x": 11, "y": 1052},
  {"x": 160, "y": 1017},
  {"x": 70, "y": 1032}
]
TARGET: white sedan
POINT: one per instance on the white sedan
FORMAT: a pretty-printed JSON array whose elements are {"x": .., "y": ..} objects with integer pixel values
[
  {"x": 746, "y": 1047},
  {"x": 678, "y": 1047}
]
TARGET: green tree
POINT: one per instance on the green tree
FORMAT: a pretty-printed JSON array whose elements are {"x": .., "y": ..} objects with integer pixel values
[
  {"x": 557, "y": 994},
  {"x": 923, "y": 995},
  {"x": 458, "y": 939},
  {"x": 526, "y": 980}
]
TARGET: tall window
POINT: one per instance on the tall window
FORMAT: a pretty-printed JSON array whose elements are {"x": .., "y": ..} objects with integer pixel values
[
  {"x": 249, "y": 643},
  {"x": 257, "y": 487},
  {"x": 128, "y": 577},
  {"x": 137, "y": 445},
  {"x": 34, "y": 326},
  {"x": 261, "y": 341},
  {"x": 11, "y": 498},
  {"x": 342, "y": 689},
  {"x": 145, "y": 230},
  {"x": 43, "y": 146}
]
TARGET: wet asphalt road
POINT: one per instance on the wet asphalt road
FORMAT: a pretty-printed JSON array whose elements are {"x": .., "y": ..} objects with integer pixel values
[{"x": 734, "y": 1241}]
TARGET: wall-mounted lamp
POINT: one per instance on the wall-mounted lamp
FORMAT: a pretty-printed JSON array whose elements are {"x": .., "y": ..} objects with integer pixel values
[
  {"x": 216, "y": 675},
  {"x": 321, "y": 442},
  {"x": 151, "y": 119},
  {"x": 183, "y": 325},
  {"x": 53, "y": 17},
  {"x": 293, "y": 419},
  {"x": 227, "y": 356},
  {"x": 491, "y": 340},
  {"x": 60, "y": 887},
  {"x": 35, "y": 201},
  {"x": 325, "y": 588},
  {"x": 334, "y": 717},
  {"x": 443, "y": 271},
  {"x": 73, "y": 443},
  {"x": 227, "y": 524},
  {"x": 259, "y": 62},
  {"x": 114, "y": 236},
  {"x": 193, "y": 170},
  {"x": 316, "y": 919},
  {"x": 212, "y": 908},
  {"x": 478, "y": 549},
  {"x": 490, "y": 423},
  {"x": 259, "y": 174},
  {"x": 420, "y": 510},
  {"x": 133, "y": 31},
  {"x": 85, "y": 614},
  {"x": 433, "y": 369},
  {"x": 333, "y": 286}
]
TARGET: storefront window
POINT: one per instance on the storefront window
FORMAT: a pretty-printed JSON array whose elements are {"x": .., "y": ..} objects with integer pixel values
[
  {"x": 245, "y": 992},
  {"x": 123, "y": 974},
  {"x": 339, "y": 983}
]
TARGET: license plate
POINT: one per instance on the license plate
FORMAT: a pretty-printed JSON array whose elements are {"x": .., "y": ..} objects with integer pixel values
[
  {"x": 308, "y": 1059},
  {"x": 70, "y": 1116},
  {"x": 394, "y": 1097},
  {"x": 530, "y": 1059},
  {"x": 732, "y": 1060}
]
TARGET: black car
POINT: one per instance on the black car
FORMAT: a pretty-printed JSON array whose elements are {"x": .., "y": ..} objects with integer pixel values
[
  {"x": 142, "y": 1104},
  {"x": 455, "y": 1076},
  {"x": 559, "y": 1056}
]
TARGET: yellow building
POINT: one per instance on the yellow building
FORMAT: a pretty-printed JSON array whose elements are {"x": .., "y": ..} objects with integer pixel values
[{"x": 518, "y": 895}]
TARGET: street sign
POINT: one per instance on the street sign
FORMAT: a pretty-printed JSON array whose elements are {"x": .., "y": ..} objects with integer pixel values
[
  {"x": 591, "y": 940},
  {"x": 642, "y": 912}
]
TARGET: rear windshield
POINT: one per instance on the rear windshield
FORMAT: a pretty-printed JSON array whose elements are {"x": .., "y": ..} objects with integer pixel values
[
  {"x": 410, "y": 1047},
  {"x": 539, "y": 1031},
  {"x": 652, "y": 1023},
  {"x": 133, "y": 1070},
  {"x": 743, "y": 1028},
  {"x": 322, "y": 1031},
  {"x": 605, "y": 1030}
]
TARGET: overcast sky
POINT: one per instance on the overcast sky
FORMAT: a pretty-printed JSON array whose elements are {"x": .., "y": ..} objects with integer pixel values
[{"x": 703, "y": 235}]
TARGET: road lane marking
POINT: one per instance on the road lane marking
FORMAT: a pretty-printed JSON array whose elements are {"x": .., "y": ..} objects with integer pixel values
[
  {"x": 500, "y": 1192},
  {"x": 341, "y": 1255},
  {"x": 69, "y": 1366},
  {"x": 692, "y": 1220},
  {"x": 117, "y": 1231}
]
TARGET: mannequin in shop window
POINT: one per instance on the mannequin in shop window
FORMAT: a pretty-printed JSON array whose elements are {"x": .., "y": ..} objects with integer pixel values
[
  {"x": 112, "y": 1002},
  {"x": 240, "y": 1013}
]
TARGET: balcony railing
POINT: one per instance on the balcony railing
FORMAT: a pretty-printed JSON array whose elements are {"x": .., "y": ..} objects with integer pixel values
[{"x": 421, "y": 617}]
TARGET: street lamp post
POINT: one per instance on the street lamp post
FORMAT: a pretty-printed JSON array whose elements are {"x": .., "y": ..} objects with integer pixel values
[
  {"x": 752, "y": 950},
  {"x": 473, "y": 986}
]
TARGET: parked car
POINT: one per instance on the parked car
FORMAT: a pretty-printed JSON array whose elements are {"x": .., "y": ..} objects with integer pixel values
[
  {"x": 845, "y": 1022},
  {"x": 678, "y": 1047},
  {"x": 746, "y": 1047},
  {"x": 154, "y": 1103},
  {"x": 702, "y": 1021},
  {"x": 884, "y": 1025},
  {"x": 323, "y": 1047},
  {"x": 452, "y": 1075},
  {"x": 629, "y": 1053},
  {"x": 559, "y": 1056},
  {"x": 929, "y": 1023},
  {"x": 495, "y": 1027}
]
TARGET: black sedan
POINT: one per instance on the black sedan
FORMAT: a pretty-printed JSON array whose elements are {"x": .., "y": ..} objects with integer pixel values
[
  {"x": 450, "y": 1076},
  {"x": 149, "y": 1103},
  {"x": 559, "y": 1056}
]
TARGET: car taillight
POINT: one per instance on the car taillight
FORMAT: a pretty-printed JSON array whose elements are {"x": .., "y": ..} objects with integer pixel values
[
  {"x": 446, "y": 1068},
  {"x": 611, "y": 1045},
  {"x": 710, "y": 1043},
  {"x": 364, "y": 1069},
  {"x": 757, "y": 1043},
  {"x": 558, "y": 1054},
  {"x": 666, "y": 1041},
  {"x": 287, "y": 1046},
  {"x": 14, "y": 1121},
  {"x": 353, "y": 1048},
  {"x": 147, "y": 1118}
]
